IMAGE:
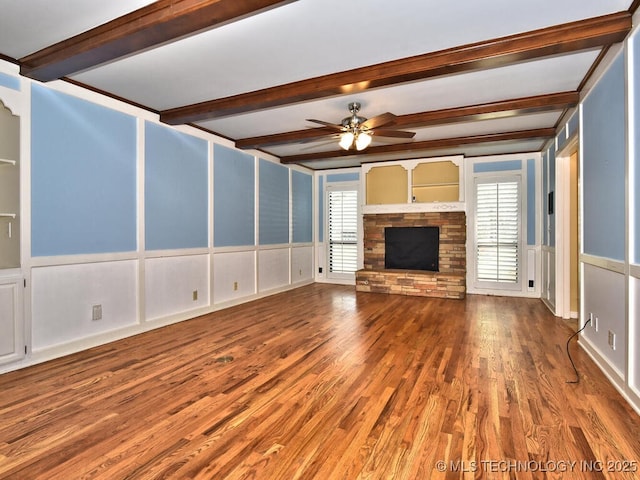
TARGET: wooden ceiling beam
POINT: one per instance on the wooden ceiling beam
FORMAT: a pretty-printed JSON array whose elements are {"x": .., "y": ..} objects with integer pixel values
[
  {"x": 485, "y": 111},
  {"x": 493, "y": 110},
  {"x": 157, "y": 23},
  {"x": 555, "y": 40},
  {"x": 539, "y": 133}
]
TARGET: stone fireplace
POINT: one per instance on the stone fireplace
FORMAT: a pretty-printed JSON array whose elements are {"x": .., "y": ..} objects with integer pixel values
[{"x": 448, "y": 282}]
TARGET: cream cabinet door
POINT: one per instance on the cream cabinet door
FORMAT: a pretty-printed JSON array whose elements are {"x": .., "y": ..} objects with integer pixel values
[{"x": 11, "y": 323}]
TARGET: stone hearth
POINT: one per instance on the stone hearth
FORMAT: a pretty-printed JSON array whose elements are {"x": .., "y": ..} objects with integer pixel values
[{"x": 449, "y": 282}]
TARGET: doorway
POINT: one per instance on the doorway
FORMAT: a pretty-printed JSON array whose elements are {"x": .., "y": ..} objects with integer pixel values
[
  {"x": 574, "y": 286},
  {"x": 568, "y": 231},
  {"x": 342, "y": 231}
]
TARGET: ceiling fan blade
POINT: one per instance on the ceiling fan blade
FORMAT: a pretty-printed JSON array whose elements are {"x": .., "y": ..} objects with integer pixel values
[
  {"x": 379, "y": 120},
  {"x": 393, "y": 133},
  {"x": 326, "y": 124},
  {"x": 323, "y": 138}
]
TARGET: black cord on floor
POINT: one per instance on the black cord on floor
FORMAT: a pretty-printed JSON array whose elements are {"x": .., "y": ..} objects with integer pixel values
[{"x": 577, "y": 380}]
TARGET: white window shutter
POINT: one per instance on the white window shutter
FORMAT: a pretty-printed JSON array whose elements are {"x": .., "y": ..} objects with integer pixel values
[
  {"x": 343, "y": 231},
  {"x": 497, "y": 232}
]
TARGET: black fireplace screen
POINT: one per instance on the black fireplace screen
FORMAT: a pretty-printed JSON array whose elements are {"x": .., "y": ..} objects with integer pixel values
[{"x": 411, "y": 248}]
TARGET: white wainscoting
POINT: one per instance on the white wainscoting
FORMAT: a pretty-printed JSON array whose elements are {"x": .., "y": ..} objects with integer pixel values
[
  {"x": 604, "y": 298},
  {"x": 301, "y": 264},
  {"x": 634, "y": 333},
  {"x": 548, "y": 287},
  {"x": 12, "y": 344},
  {"x": 170, "y": 283},
  {"x": 321, "y": 262},
  {"x": 63, "y": 297},
  {"x": 273, "y": 269},
  {"x": 234, "y": 275}
]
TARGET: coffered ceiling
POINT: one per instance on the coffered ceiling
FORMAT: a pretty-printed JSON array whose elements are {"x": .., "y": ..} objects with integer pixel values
[{"x": 474, "y": 78}]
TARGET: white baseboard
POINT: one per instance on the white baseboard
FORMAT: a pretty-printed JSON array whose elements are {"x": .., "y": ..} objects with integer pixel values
[
  {"x": 616, "y": 378},
  {"x": 50, "y": 353}
]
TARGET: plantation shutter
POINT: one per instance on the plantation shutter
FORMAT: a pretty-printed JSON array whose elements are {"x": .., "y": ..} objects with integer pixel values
[
  {"x": 498, "y": 232},
  {"x": 343, "y": 230}
]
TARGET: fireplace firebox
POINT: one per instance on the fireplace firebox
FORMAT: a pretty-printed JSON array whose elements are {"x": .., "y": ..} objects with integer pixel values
[{"x": 411, "y": 248}]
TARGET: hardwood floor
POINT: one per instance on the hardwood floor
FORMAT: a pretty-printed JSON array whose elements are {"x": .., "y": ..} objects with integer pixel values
[{"x": 325, "y": 383}]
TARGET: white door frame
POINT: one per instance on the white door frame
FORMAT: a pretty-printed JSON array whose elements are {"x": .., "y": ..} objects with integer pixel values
[
  {"x": 562, "y": 209},
  {"x": 342, "y": 278}
]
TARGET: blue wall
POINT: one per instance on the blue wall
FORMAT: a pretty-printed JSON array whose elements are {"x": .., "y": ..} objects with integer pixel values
[
  {"x": 321, "y": 209},
  {"x": 302, "y": 203},
  {"x": 176, "y": 196},
  {"x": 84, "y": 186},
  {"x": 9, "y": 81},
  {"x": 636, "y": 139},
  {"x": 343, "y": 177},
  {"x": 274, "y": 203},
  {"x": 545, "y": 191},
  {"x": 531, "y": 202},
  {"x": 551, "y": 185},
  {"x": 233, "y": 197},
  {"x": 562, "y": 138},
  {"x": 83, "y": 176},
  {"x": 498, "y": 166},
  {"x": 604, "y": 165},
  {"x": 574, "y": 124}
]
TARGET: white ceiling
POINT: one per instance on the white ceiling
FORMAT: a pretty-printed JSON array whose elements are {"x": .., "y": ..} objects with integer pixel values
[
  {"x": 30, "y": 25},
  {"x": 520, "y": 80},
  {"x": 308, "y": 38}
]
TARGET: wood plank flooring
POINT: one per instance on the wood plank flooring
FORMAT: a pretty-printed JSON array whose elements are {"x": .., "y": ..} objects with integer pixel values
[{"x": 325, "y": 383}]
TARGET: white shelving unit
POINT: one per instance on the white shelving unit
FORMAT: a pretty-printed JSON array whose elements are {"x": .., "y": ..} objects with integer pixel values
[
  {"x": 415, "y": 206},
  {"x": 12, "y": 344},
  {"x": 6, "y": 162}
]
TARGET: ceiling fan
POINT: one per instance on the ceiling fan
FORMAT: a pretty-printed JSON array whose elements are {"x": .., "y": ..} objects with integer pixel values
[{"x": 355, "y": 131}]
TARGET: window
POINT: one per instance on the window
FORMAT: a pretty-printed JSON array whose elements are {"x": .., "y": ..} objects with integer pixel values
[
  {"x": 497, "y": 232},
  {"x": 342, "y": 216}
]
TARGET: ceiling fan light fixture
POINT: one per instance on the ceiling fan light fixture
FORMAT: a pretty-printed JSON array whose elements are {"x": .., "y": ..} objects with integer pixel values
[
  {"x": 362, "y": 141},
  {"x": 356, "y": 132},
  {"x": 346, "y": 140}
]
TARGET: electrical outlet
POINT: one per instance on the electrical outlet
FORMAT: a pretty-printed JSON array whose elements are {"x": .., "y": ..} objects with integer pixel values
[
  {"x": 612, "y": 340},
  {"x": 235, "y": 286},
  {"x": 595, "y": 323},
  {"x": 530, "y": 283},
  {"x": 195, "y": 295},
  {"x": 96, "y": 313},
  {"x": 319, "y": 269},
  {"x": 300, "y": 272}
]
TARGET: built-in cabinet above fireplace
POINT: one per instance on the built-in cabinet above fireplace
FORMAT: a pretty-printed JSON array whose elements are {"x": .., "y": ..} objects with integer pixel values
[{"x": 421, "y": 185}]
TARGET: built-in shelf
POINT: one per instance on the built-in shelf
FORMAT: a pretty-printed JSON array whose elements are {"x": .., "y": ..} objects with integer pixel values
[
  {"x": 4, "y": 161},
  {"x": 8, "y": 215},
  {"x": 420, "y": 185},
  {"x": 414, "y": 207}
]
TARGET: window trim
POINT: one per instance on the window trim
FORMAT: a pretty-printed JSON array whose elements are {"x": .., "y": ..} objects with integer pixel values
[
  {"x": 336, "y": 187},
  {"x": 488, "y": 286}
]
